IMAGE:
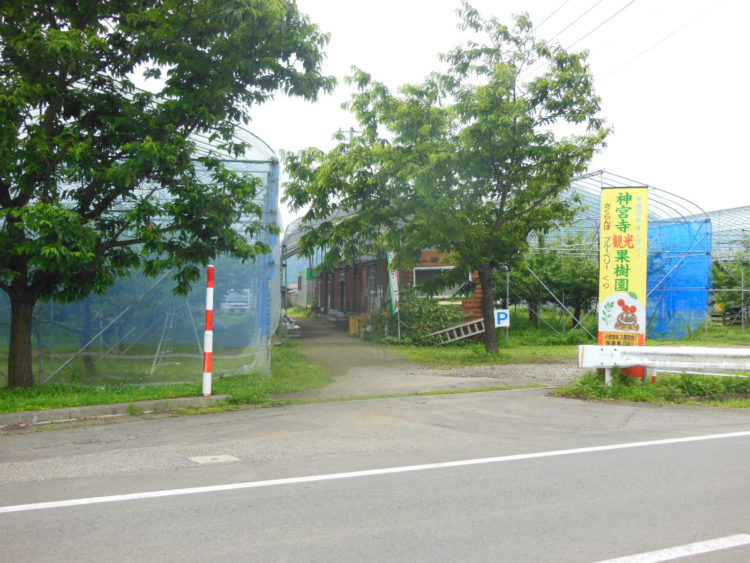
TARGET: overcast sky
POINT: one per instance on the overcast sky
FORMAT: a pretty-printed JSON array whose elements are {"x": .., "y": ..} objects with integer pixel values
[{"x": 672, "y": 75}]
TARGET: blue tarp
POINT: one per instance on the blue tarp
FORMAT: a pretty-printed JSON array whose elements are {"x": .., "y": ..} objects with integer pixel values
[{"x": 679, "y": 277}]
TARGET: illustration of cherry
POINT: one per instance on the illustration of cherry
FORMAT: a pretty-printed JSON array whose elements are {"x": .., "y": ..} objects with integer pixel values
[{"x": 627, "y": 321}]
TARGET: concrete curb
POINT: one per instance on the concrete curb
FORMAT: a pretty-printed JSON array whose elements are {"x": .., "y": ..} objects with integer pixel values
[{"x": 31, "y": 418}]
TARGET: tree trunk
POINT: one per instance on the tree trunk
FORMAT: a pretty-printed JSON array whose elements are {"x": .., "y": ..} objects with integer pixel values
[
  {"x": 488, "y": 310},
  {"x": 20, "y": 372},
  {"x": 532, "y": 306},
  {"x": 577, "y": 312}
]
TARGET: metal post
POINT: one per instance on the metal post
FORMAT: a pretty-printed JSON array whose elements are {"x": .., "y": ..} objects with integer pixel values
[
  {"x": 285, "y": 279},
  {"x": 558, "y": 301},
  {"x": 507, "y": 299},
  {"x": 270, "y": 282},
  {"x": 208, "y": 337},
  {"x": 113, "y": 321},
  {"x": 742, "y": 302}
]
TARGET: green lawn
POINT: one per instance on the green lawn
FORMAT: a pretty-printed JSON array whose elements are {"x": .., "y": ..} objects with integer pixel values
[
  {"x": 290, "y": 372},
  {"x": 473, "y": 354}
]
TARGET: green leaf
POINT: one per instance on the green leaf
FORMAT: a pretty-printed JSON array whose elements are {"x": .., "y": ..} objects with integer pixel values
[
  {"x": 465, "y": 162},
  {"x": 98, "y": 177}
]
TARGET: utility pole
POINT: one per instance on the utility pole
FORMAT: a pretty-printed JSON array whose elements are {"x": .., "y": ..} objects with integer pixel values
[{"x": 350, "y": 133}]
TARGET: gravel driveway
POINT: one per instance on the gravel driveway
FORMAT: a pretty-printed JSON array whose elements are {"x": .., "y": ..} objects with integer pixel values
[{"x": 361, "y": 368}]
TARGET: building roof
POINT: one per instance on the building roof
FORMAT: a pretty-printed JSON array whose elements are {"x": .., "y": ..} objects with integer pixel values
[{"x": 730, "y": 227}]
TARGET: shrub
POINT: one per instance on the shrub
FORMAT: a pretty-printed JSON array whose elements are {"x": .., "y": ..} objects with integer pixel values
[{"x": 421, "y": 316}]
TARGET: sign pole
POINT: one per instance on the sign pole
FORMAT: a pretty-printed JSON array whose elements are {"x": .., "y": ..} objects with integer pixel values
[
  {"x": 507, "y": 299},
  {"x": 208, "y": 337},
  {"x": 395, "y": 295}
]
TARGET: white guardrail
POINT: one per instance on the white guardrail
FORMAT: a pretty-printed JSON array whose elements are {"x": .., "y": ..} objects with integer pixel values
[{"x": 670, "y": 359}]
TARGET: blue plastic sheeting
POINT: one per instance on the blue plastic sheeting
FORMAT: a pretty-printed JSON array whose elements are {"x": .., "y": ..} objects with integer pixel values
[
  {"x": 679, "y": 278},
  {"x": 139, "y": 332}
]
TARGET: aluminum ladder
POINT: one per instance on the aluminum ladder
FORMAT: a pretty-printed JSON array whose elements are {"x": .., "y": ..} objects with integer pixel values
[{"x": 459, "y": 332}]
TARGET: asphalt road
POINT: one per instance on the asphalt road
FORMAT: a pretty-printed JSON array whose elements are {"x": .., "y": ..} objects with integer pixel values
[{"x": 557, "y": 480}]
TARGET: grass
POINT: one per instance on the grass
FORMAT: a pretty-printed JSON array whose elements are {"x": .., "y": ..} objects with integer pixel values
[
  {"x": 473, "y": 354},
  {"x": 528, "y": 344},
  {"x": 728, "y": 392},
  {"x": 522, "y": 344},
  {"x": 43, "y": 397},
  {"x": 731, "y": 392},
  {"x": 290, "y": 372},
  {"x": 299, "y": 312},
  {"x": 715, "y": 335}
]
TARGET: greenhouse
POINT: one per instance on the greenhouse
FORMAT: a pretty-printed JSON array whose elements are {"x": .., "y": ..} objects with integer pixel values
[
  {"x": 683, "y": 243},
  {"x": 679, "y": 254},
  {"x": 140, "y": 332}
]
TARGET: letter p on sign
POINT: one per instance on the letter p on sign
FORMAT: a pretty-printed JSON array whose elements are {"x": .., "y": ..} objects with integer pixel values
[{"x": 502, "y": 318}]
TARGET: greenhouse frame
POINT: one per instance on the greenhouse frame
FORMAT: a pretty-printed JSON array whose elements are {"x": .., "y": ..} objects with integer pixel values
[
  {"x": 684, "y": 242},
  {"x": 141, "y": 333}
]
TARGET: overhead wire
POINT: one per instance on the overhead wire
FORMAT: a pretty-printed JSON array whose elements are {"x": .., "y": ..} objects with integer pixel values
[
  {"x": 560, "y": 7},
  {"x": 610, "y": 18},
  {"x": 654, "y": 45},
  {"x": 536, "y": 66},
  {"x": 575, "y": 21}
]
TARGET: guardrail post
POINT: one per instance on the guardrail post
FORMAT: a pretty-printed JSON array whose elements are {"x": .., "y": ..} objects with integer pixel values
[{"x": 649, "y": 376}]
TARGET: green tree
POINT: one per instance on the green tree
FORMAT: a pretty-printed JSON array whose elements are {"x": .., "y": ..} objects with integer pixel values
[
  {"x": 730, "y": 277},
  {"x": 98, "y": 177},
  {"x": 468, "y": 162},
  {"x": 552, "y": 271}
]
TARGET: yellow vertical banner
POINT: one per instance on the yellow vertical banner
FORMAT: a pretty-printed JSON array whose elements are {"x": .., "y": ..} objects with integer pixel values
[{"x": 623, "y": 264}]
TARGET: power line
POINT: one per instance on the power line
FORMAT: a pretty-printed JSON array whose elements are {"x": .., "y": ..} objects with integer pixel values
[
  {"x": 560, "y": 7},
  {"x": 654, "y": 45},
  {"x": 579, "y": 18},
  {"x": 610, "y": 18},
  {"x": 536, "y": 66}
]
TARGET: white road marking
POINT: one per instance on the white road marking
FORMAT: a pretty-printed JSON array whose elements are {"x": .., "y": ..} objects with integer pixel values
[
  {"x": 365, "y": 473},
  {"x": 687, "y": 550},
  {"x": 213, "y": 459}
]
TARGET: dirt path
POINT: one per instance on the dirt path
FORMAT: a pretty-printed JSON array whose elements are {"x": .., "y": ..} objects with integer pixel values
[{"x": 360, "y": 368}]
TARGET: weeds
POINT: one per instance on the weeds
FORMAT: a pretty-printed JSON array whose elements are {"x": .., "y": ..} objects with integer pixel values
[{"x": 674, "y": 389}]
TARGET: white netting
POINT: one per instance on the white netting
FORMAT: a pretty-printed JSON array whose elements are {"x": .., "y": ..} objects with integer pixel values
[{"x": 141, "y": 333}]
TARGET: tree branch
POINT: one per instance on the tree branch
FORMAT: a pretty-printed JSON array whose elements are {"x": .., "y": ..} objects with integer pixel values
[
  {"x": 115, "y": 243},
  {"x": 5, "y": 199}
]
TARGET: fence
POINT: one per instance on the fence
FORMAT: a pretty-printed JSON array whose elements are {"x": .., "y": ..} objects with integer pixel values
[{"x": 664, "y": 359}]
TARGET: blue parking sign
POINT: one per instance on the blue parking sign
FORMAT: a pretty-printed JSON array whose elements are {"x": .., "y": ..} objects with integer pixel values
[{"x": 502, "y": 318}]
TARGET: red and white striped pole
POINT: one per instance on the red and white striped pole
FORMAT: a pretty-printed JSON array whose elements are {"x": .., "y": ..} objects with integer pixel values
[{"x": 208, "y": 336}]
